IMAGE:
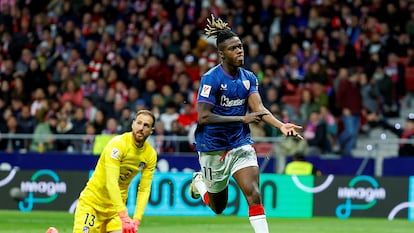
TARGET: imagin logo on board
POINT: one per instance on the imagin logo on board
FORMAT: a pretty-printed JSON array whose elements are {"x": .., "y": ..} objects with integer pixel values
[
  {"x": 43, "y": 187},
  {"x": 362, "y": 193}
]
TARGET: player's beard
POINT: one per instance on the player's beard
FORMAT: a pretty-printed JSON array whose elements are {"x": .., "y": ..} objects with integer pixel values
[{"x": 139, "y": 138}]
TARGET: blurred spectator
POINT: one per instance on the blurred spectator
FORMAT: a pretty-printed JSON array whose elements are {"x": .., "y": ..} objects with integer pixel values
[
  {"x": 95, "y": 64},
  {"x": 7, "y": 69},
  {"x": 43, "y": 135},
  {"x": 64, "y": 127},
  {"x": 5, "y": 91},
  {"x": 79, "y": 121},
  {"x": 159, "y": 138},
  {"x": 175, "y": 145},
  {"x": 169, "y": 116},
  {"x": 384, "y": 85},
  {"x": 71, "y": 93},
  {"x": 187, "y": 117},
  {"x": 38, "y": 97},
  {"x": 74, "y": 60},
  {"x": 157, "y": 71},
  {"x": 371, "y": 100},
  {"x": 118, "y": 106},
  {"x": 125, "y": 120},
  {"x": 139, "y": 105},
  {"x": 111, "y": 126},
  {"x": 88, "y": 140},
  {"x": 307, "y": 105},
  {"x": 101, "y": 89},
  {"x": 320, "y": 94},
  {"x": 16, "y": 106},
  {"x": 167, "y": 93},
  {"x": 395, "y": 71},
  {"x": 89, "y": 109},
  {"x": 182, "y": 84},
  {"x": 26, "y": 121},
  {"x": 158, "y": 105},
  {"x": 349, "y": 100},
  {"x": 316, "y": 73},
  {"x": 19, "y": 91},
  {"x": 132, "y": 74},
  {"x": 133, "y": 95},
  {"x": 149, "y": 91},
  {"x": 88, "y": 86},
  {"x": 271, "y": 96},
  {"x": 23, "y": 64},
  {"x": 342, "y": 75},
  {"x": 272, "y": 131},
  {"x": 67, "y": 109},
  {"x": 253, "y": 55},
  {"x": 299, "y": 166},
  {"x": 13, "y": 145},
  {"x": 148, "y": 47},
  {"x": 331, "y": 128},
  {"x": 99, "y": 121},
  {"x": 315, "y": 134},
  {"x": 130, "y": 50}
]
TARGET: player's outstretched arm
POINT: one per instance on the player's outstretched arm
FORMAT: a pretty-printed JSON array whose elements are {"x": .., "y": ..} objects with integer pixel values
[{"x": 288, "y": 129}]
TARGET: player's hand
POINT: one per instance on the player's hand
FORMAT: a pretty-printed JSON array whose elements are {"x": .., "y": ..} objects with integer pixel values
[
  {"x": 128, "y": 225},
  {"x": 290, "y": 130},
  {"x": 253, "y": 117}
]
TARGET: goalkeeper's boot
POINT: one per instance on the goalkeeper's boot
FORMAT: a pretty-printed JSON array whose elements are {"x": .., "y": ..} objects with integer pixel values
[{"x": 197, "y": 176}]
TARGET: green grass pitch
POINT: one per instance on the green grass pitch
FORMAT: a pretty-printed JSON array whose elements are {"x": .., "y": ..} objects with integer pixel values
[{"x": 39, "y": 221}]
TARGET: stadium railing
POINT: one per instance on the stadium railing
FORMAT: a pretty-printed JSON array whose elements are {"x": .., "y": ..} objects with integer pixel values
[{"x": 375, "y": 149}]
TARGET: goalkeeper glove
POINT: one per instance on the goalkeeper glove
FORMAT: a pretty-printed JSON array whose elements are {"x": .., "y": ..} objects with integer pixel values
[
  {"x": 136, "y": 223},
  {"x": 128, "y": 226}
]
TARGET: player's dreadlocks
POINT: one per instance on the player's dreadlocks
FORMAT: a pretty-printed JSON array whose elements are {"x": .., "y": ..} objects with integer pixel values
[{"x": 218, "y": 29}]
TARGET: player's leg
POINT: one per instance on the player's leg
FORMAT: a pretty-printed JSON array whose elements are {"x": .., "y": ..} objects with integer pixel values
[
  {"x": 86, "y": 219},
  {"x": 215, "y": 173},
  {"x": 216, "y": 201},
  {"x": 246, "y": 174},
  {"x": 114, "y": 224}
]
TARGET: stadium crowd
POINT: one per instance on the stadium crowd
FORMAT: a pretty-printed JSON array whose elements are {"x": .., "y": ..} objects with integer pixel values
[{"x": 336, "y": 67}]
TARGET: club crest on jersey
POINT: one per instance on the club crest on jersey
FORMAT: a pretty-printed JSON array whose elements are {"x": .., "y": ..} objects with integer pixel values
[
  {"x": 205, "y": 91},
  {"x": 223, "y": 87},
  {"x": 246, "y": 84},
  {"x": 141, "y": 165},
  {"x": 85, "y": 229},
  {"x": 115, "y": 153}
]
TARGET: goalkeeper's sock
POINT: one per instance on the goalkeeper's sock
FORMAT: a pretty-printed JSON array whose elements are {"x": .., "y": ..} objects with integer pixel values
[
  {"x": 257, "y": 219},
  {"x": 201, "y": 188}
]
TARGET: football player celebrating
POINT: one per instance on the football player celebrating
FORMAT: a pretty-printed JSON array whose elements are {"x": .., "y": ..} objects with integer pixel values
[{"x": 223, "y": 142}]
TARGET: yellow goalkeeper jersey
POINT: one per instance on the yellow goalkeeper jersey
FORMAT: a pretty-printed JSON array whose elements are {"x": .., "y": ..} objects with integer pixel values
[{"x": 118, "y": 164}]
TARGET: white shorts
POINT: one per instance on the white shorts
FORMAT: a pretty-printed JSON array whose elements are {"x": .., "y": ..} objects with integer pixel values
[{"x": 218, "y": 166}]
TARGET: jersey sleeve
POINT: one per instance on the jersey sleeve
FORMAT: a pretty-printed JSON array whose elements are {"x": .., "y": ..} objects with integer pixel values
[
  {"x": 144, "y": 187},
  {"x": 254, "y": 87},
  {"x": 113, "y": 152},
  {"x": 207, "y": 90}
]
